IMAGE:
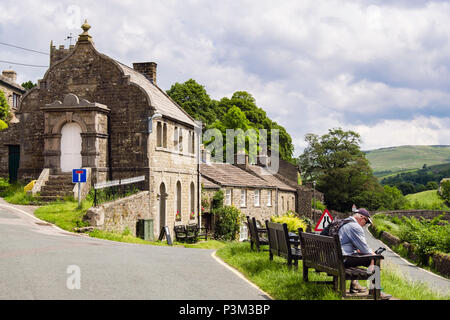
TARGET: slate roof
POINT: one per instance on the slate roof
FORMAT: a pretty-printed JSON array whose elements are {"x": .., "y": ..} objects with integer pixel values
[
  {"x": 208, "y": 184},
  {"x": 159, "y": 99},
  {"x": 228, "y": 175},
  {"x": 270, "y": 178}
]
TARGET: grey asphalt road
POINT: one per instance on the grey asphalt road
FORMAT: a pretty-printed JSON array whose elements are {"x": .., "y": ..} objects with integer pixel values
[
  {"x": 408, "y": 269},
  {"x": 34, "y": 260}
]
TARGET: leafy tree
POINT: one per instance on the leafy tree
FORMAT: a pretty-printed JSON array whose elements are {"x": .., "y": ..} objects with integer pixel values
[
  {"x": 193, "y": 98},
  {"x": 445, "y": 191},
  {"x": 4, "y": 111},
  {"x": 28, "y": 85},
  {"x": 341, "y": 170}
]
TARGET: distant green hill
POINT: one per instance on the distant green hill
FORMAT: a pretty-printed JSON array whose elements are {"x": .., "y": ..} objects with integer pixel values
[
  {"x": 389, "y": 160},
  {"x": 427, "y": 200}
]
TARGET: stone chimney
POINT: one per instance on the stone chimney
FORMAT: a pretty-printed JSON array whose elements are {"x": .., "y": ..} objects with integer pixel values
[
  {"x": 241, "y": 160},
  {"x": 10, "y": 74},
  {"x": 148, "y": 69},
  {"x": 206, "y": 156}
]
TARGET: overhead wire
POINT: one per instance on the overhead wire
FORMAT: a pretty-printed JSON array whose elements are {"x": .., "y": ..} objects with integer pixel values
[
  {"x": 18, "y": 47},
  {"x": 26, "y": 49}
]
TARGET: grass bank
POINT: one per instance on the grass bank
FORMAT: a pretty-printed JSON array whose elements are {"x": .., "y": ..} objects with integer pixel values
[
  {"x": 281, "y": 283},
  {"x": 427, "y": 200}
]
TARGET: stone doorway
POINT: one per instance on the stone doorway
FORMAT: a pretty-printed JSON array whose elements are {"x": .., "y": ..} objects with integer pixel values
[
  {"x": 13, "y": 162},
  {"x": 70, "y": 147}
]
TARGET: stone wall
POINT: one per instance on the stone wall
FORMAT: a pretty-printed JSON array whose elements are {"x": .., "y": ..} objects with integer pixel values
[
  {"x": 95, "y": 78},
  {"x": 171, "y": 164},
  {"x": 440, "y": 261},
  {"x": 279, "y": 205},
  {"x": 427, "y": 214},
  {"x": 124, "y": 213}
]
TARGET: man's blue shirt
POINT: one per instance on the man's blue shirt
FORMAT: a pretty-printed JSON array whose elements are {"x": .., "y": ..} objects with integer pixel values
[{"x": 352, "y": 238}]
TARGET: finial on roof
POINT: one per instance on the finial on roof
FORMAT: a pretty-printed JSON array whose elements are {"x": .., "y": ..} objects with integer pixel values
[
  {"x": 85, "y": 26},
  {"x": 85, "y": 35}
]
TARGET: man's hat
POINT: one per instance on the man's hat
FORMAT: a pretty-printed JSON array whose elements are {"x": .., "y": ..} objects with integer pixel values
[{"x": 365, "y": 213}]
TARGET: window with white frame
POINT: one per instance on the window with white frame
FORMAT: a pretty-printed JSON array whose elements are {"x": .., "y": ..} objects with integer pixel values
[
  {"x": 243, "y": 198},
  {"x": 228, "y": 197},
  {"x": 269, "y": 198},
  {"x": 257, "y": 196},
  {"x": 15, "y": 100}
]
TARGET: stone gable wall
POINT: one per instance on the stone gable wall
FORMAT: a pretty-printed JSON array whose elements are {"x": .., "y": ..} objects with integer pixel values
[{"x": 93, "y": 77}]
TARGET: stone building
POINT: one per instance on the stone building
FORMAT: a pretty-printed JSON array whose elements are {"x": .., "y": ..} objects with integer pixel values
[
  {"x": 91, "y": 111},
  {"x": 12, "y": 90},
  {"x": 249, "y": 188}
]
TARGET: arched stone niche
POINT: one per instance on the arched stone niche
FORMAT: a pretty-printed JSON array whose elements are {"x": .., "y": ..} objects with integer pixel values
[{"x": 93, "y": 121}]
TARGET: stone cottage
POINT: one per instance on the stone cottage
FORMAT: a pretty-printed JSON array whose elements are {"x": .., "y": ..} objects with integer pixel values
[
  {"x": 12, "y": 90},
  {"x": 248, "y": 187},
  {"x": 91, "y": 111}
]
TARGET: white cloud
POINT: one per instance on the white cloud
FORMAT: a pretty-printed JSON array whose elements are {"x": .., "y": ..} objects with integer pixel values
[{"x": 312, "y": 65}]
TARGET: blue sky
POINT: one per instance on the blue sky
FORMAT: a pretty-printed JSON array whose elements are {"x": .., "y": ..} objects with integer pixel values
[{"x": 381, "y": 68}]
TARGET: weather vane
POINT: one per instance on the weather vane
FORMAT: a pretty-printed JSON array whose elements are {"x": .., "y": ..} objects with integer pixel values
[{"x": 69, "y": 37}]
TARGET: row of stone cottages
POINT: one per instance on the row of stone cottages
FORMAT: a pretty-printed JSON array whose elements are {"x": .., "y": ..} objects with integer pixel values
[{"x": 92, "y": 111}]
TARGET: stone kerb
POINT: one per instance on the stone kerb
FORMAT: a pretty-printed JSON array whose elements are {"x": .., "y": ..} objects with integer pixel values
[{"x": 119, "y": 214}]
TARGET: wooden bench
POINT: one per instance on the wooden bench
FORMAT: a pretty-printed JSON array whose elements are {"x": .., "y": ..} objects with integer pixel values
[
  {"x": 257, "y": 235},
  {"x": 324, "y": 254},
  {"x": 198, "y": 231},
  {"x": 183, "y": 233},
  {"x": 280, "y": 245}
]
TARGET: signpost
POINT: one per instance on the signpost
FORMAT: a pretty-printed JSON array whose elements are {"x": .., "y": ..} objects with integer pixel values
[
  {"x": 79, "y": 176},
  {"x": 324, "y": 221}
]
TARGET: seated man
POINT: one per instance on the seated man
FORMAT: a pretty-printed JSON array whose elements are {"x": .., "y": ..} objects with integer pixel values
[{"x": 353, "y": 243}]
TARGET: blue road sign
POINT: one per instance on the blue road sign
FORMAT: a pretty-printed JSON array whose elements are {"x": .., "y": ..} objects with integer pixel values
[{"x": 79, "y": 175}]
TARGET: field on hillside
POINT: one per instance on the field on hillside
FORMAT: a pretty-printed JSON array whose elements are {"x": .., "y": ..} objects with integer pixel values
[
  {"x": 428, "y": 199},
  {"x": 407, "y": 157}
]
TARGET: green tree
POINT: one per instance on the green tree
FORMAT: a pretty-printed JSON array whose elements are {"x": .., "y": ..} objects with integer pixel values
[
  {"x": 445, "y": 191},
  {"x": 28, "y": 85},
  {"x": 341, "y": 170},
  {"x": 4, "y": 111},
  {"x": 194, "y": 99}
]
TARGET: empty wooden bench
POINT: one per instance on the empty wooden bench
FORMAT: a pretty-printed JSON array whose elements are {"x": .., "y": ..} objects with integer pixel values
[
  {"x": 182, "y": 234},
  {"x": 258, "y": 236},
  {"x": 280, "y": 245},
  {"x": 324, "y": 254}
]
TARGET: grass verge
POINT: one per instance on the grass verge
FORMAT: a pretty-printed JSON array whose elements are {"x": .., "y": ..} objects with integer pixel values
[
  {"x": 65, "y": 214},
  {"x": 281, "y": 283},
  {"x": 14, "y": 194}
]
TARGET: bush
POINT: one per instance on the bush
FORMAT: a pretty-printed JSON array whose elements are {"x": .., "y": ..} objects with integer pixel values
[
  {"x": 227, "y": 221},
  {"x": 293, "y": 221}
]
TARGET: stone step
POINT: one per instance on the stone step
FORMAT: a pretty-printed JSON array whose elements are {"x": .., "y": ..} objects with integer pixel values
[
  {"x": 56, "y": 188},
  {"x": 56, "y": 193},
  {"x": 60, "y": 177},
  {"x": 49, "y": 198}
]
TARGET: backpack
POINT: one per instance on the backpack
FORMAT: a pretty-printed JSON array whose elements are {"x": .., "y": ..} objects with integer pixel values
[{"x": 333, "y": 228}]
